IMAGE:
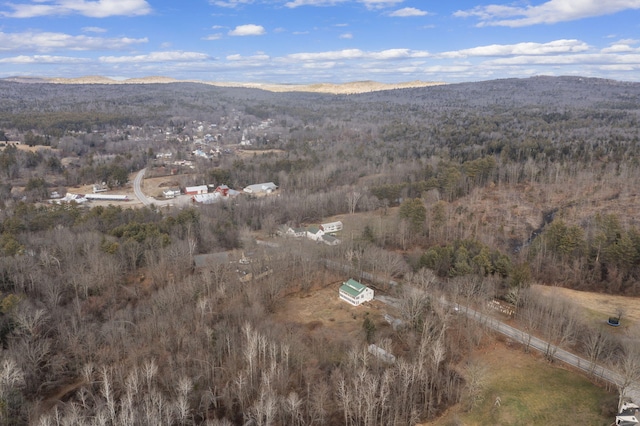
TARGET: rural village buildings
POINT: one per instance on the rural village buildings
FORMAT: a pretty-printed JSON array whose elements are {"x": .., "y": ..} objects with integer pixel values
[{"x": 322, "y": 233}]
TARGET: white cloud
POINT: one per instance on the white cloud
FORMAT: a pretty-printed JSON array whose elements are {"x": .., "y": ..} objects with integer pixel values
[
  {"x": 298, "y": 3},
  {"x": 328, "y": 56},
  {"x": 553, "y": 47},
  {"x": 94, "y": 30},
  {"x": 347, "y": 36},
  {"x": 350, "y": 54},
  {"x": 47, "y": 41},
  {"x": 550, "y": 12},
  {"x": 369, "y": 4},
  {"x": 173, "y": 56},
  {"x": 230, "y": 3},
  {"x": 257, "y": 57},
  {"x": 42, "y": 59},
  {"x": 247, "y": 30},
  {"x": 408, "y": 12},
  {"x": 379, "y": 4},
  {"x": 93, "y": 9},
  {"x": 212, "y": 37},
  {"x": 622, "y": 46},
  {"x": 583, "y": 59},
  {"x": 319, "y": 65}
]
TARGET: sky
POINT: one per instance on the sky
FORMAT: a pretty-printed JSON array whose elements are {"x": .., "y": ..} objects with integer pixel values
[{"x": 316, "y": 41}]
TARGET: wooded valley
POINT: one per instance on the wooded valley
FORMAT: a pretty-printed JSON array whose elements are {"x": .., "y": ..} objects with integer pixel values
[{"x": 469, "y": 192}]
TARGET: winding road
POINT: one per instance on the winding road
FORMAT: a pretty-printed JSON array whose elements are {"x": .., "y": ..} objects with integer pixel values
[
  {"x": 180, "y": 201},
  {"x": 137, "y": 188}
]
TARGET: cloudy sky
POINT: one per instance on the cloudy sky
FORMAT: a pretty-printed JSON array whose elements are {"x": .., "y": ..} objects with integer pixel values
[{"x": 302, "y": 41}]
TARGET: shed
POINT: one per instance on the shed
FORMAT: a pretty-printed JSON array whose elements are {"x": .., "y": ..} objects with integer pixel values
[
  {"x": 331, "y": 227},
  {"x": 261, "y": 188}
]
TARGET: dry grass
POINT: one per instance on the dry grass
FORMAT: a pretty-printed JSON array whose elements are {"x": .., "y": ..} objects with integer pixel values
[
  {"x": 247, "y": 154},
  {"x": 321, "y": 312},
  {"x": 344, "y": 88},
  {"x": 530, "y": 392},
  {"x": 27, "y": 148},
  {"x": 598, "y": 307}
]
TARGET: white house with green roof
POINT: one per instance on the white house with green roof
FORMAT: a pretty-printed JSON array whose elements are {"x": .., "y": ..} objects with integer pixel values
[{"x": 355, "y": 293}]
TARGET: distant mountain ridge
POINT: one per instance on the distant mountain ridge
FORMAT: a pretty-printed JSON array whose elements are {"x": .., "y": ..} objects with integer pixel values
[{"x": 333, "y": 88}]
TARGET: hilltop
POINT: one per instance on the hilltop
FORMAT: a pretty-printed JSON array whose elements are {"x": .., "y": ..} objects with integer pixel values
[{"x": 332, "y": 88}]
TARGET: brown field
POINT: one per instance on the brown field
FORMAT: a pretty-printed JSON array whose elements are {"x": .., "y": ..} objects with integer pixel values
[
  {"x": 245, "y": 154},
  {"x": 524, "y": 389},
  {"x": 322, "y": 313},
  {"x": 27, "y": 148},
  {"x": 598, "y": 307}
]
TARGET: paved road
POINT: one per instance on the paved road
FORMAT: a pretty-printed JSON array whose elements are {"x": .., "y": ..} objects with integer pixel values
[
  {"x": 137, "y": 182},
  {"x": 180, "y": 201}
]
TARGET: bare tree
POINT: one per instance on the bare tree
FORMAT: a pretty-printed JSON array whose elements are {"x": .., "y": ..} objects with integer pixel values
[
  {"x": 352, "y": 200},
  {"x": 628, "y": 367},
  {"x": 596, "y": 343},
  {"x": 475, "y": 375}
]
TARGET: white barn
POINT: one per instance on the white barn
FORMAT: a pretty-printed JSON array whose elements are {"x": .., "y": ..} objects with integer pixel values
[{"x": 194, "y": 190}]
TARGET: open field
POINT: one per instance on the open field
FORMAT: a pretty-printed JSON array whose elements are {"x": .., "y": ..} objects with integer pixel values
[
  {"x": 324, "y": 315},
  {"x": 246, "y": 154},
  {"x": 598, "y": 307},
  {"x": 27, "y": 148},
  {"x": 531, "y": 391}
]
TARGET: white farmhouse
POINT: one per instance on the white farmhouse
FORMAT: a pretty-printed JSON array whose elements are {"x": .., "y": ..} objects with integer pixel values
[
  {"x": 355, "y": 293},
  {"x": 314, "y": 233},
  {"x": 171, "y": 192}
]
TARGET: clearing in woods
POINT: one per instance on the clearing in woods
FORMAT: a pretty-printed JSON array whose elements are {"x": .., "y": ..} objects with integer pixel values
[
  {"x": 524, "y": 389},
  {"x": 598, "y": 307},
  {"x": 324, "y": 315}
]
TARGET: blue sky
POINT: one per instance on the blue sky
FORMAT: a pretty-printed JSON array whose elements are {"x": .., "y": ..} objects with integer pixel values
[{"x": 306, "y": 41}]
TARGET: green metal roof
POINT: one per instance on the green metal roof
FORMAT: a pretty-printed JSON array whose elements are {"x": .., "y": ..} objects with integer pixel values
[{"x": 352, "y": 287}]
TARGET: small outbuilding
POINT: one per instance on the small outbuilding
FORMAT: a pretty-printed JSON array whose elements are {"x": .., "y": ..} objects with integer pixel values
[
  {"x": 331, "y": 227},
  {"x": 355, "y": 293},
  {"x": 628, "y": 415},
  {"x": 261, "y": 188},
  {"x": 381, "y": 354}
]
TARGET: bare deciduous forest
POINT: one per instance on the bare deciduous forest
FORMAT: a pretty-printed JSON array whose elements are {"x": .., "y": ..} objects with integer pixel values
[{"x": 471, "y": 192}]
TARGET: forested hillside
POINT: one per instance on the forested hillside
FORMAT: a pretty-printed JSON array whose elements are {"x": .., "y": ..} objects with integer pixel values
[{"x": 475, "y": 189}]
